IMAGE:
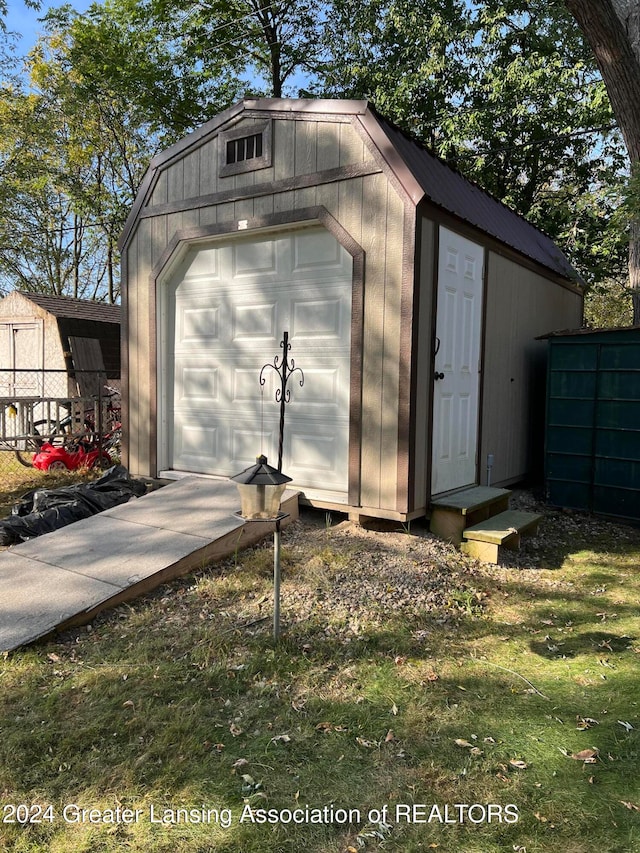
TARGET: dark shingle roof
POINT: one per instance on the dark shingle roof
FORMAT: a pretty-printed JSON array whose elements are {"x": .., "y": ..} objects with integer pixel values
[{"x": 76, "y": 309}]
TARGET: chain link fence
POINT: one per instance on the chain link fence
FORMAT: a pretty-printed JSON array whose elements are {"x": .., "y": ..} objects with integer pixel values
[{"x": 56, "y": 420}]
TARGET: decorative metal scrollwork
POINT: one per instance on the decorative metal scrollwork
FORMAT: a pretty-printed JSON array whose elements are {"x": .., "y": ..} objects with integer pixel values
[{"x": 285, "y": 368}]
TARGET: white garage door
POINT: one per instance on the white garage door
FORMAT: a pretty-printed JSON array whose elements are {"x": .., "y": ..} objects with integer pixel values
[{"x": 232, "y": 302}]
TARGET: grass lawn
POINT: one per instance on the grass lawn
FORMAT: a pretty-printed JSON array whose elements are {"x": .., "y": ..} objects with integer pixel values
[
  {"x": 504, "y": 717},
  {"x": 15, "y": 480}
]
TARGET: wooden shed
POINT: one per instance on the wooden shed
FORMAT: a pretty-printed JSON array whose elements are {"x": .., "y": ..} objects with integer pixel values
[
  {"x": 412, "y": 299},
  {"x": 41, "y": 333}
]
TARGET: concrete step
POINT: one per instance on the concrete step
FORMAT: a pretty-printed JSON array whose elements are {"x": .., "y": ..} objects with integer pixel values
[
  {"x": 484, "y": 539},
  {"x": 451, "y": 514}
]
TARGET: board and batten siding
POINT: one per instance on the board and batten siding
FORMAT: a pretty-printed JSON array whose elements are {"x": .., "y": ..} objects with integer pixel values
[
  {"x": 317, "y": 161},
  {"x": 520, "y": 305}
]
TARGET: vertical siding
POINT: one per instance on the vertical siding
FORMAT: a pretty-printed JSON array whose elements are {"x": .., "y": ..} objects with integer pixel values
[
  {"x": 520, "y": 306},
  {"x": 367, "y": 208},
  {"x": 424, "y": 372}
]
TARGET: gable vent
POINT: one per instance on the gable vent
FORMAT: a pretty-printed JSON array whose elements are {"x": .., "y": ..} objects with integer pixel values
[{"x": 245, "y": 152}]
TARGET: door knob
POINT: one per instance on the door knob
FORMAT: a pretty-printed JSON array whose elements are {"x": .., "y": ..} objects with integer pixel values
[{"x": 437, "y": 375}]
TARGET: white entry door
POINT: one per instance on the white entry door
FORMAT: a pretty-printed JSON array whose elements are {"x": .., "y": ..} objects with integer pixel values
[
  {"x": 231, "y": 304},
  {"x": 457, "y": 363}
]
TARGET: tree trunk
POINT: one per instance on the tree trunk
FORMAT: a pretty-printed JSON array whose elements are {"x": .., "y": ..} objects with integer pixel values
[{"x": 612, "y": 28}]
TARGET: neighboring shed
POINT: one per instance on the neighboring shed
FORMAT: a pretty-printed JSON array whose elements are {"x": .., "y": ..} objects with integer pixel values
[
  {"x": 56, "y": 333},
  {"x": 593, "y": 421},
  {"x": 412, "y": 299}
]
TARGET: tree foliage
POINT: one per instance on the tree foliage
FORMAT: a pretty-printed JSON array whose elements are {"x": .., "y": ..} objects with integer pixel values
[
  {"x": 505, "y": 90},
  {"x": 612, "y": 28}
]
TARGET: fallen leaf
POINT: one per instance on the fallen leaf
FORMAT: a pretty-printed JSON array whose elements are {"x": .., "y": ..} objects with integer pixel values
[
  {"x": 241, "y": 762},
  {"x": 389, "y": 736},
  {"x": 128, "y": 704},
  {"x": 369, "y": 744},
  {"x": 585, "y": 723},
  {"x": 519, "y": 765},
  {"x": 631, "y": 806},
  {"x": 235, "y": 730},
  {"x": 626, "y": 725},
  {"x": 281, "y": 739},
  {"x": 324, "y": 727},
  {"x": 589, "y": 756},
  {"x": 461, "y": 742},
  {"x": 394, "y": 709}
]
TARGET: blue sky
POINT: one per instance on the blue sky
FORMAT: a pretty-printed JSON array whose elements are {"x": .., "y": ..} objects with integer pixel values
[{"x": 21, "y": 19}]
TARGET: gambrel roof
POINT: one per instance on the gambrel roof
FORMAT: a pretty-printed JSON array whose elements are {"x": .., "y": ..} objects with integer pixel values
[{"x": 422, "y": 175}]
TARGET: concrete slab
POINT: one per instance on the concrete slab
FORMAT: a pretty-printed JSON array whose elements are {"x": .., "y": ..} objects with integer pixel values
[
  {"x": 35, "y": 598},
  {"x": 68, "y": 576}
]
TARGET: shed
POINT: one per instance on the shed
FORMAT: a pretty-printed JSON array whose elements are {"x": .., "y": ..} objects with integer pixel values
[
  {"x": 412, "y": 300},
  {"x": 592, "y": 453},
  {"x": 40, "y": 332}
]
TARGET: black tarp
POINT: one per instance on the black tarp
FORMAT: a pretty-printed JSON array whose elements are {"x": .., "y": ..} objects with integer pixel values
[{"x": 43, "y": 510}]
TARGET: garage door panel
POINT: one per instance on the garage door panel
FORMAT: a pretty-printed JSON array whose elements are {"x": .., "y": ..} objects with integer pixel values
[
  {"x": 255, "y": 322},
  {"x": 197, "y": 322},
  {"x": 317, "y": 456},
  {"x": 196, "y": 383},
  {"x": 227, "y": 328},
  {"x": 246, "y": 390},
  {"x": 245, "y": 447},
  {"x": 316, "y": 318},
  {"x": 203, "y": 263},
  {"x": 196, "y": 444},
  {"x": 318, "y": 253},
  {"x": 324, "y": 387},
  {"x": 255, "y": 258}
]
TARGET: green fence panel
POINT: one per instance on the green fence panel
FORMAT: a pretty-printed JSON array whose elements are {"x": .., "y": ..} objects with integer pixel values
[{"x": 592, "y": 440}]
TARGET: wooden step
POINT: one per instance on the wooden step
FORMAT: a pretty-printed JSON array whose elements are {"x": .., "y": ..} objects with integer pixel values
[
  {"x": 483, "y": 540},
  {"x": 450, "y": 515}
]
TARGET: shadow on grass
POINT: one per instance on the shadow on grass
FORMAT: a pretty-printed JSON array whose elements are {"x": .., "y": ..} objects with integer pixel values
[
  {"x": 600, "y": 642},
  {"x": 179, "y": 702}
]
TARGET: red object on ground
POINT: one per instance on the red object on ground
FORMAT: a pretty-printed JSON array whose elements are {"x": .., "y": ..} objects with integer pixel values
[{"x": 50, "y": 458}]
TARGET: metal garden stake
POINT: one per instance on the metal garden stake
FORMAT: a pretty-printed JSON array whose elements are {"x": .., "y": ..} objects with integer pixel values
[{"x": 285, "y": 368}]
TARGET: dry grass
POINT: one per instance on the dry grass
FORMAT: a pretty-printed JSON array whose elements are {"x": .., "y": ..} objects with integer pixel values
[{"x": 508, "y": 686}]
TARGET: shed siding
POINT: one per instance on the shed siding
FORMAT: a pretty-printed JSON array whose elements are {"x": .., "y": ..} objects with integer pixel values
[
  {"x": 16, "y": 308},
  {"x": 424, "y": 364},
  {"x": 520, "y": 305},
  {"x": 365, "y": 206},
  {"x": 341, "y": 159}
]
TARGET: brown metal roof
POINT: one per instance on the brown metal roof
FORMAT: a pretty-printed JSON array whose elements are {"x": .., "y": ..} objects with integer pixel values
[
  {"x": 77, "y": 309},
  {"x": 450, "y": 190}
]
